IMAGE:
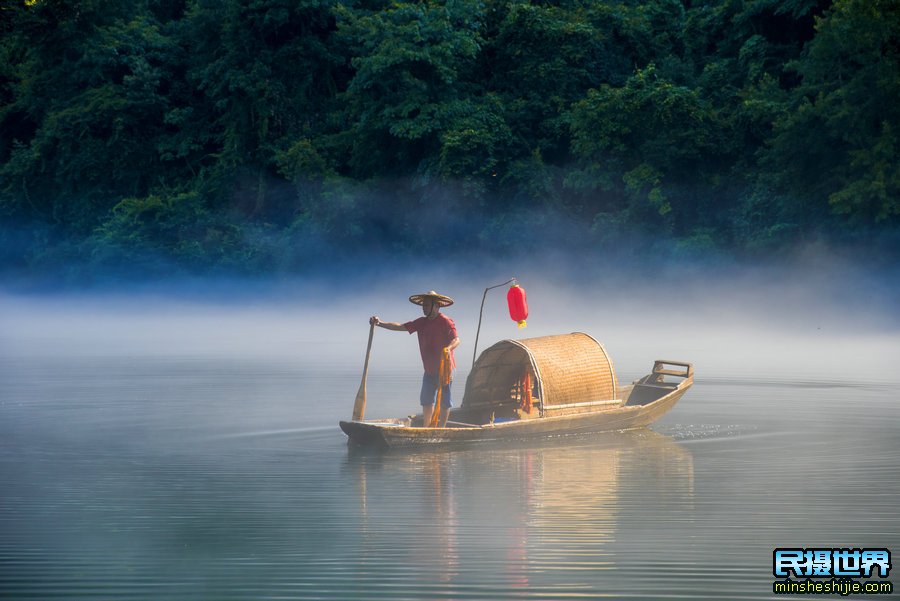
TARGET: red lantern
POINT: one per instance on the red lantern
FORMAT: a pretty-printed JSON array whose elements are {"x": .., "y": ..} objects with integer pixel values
[{"x": 518, "y": 304}]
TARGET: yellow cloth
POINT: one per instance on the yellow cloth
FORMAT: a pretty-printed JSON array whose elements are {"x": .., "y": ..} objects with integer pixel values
[{"x": 444, "y": 377}]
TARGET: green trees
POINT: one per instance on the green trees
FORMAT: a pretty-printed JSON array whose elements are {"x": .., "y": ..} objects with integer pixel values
[
  {"x": 837, "y": 144},
  {"x": 641, "y": 138},
  {"x": 409, "y": 85},
  {"x": 87, "y": 94},
  {"x": 260, "y": 135}
]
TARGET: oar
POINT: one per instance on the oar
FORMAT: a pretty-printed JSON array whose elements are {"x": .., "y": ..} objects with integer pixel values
[{"x": 359, "y": 406}]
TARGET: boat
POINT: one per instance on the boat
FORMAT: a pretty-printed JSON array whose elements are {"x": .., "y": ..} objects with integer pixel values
[{"x": 537, "y": 387}]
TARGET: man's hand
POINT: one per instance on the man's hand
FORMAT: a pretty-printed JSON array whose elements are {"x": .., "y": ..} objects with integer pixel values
[
  {"x": 387, "y": 325},
  {"x": 453, "y": 344}
]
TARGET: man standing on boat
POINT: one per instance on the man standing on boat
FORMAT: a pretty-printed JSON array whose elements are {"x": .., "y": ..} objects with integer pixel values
[{"x": 437, "y": 334}]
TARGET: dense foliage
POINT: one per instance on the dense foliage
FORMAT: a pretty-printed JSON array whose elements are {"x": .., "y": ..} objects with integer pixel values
[{"x": 263, "y": 135}]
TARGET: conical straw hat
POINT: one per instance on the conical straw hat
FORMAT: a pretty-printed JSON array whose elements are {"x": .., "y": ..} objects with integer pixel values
[{"x": 419, "y": 299}]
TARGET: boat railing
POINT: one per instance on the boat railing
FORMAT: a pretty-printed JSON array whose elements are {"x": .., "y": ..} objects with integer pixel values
[
  {"x": 663, "y": 368},
  {"x": 660, "y": 367}
]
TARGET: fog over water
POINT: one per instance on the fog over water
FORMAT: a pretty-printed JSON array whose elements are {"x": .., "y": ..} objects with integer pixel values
[
  {"x": 181, "y": 442},
  {"x": 778, "y": 320}
]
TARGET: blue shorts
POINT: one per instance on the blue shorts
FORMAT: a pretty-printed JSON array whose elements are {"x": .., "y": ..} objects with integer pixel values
[{"x": 429, "y": 391}]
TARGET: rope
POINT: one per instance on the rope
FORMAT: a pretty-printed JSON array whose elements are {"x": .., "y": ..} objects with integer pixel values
[
  {"x": 444, "y": 377},
  {"x": 522, "y": 393}
]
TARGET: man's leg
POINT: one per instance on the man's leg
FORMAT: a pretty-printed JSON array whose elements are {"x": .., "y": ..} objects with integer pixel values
[
  {"x": 427, "y": 412},
  {"x": 426, "y": 398},
  {"x": 445, "y": 413}
]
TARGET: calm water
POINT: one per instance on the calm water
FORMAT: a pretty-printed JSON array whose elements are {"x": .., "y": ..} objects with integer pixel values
[{"x": 205, "y": 476}]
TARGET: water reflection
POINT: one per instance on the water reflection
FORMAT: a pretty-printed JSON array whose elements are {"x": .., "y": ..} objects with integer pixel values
[{"x": 516, "y": 517}]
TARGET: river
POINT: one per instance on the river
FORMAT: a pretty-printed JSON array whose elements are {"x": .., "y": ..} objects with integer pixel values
[{"x": 139, "y": 463}]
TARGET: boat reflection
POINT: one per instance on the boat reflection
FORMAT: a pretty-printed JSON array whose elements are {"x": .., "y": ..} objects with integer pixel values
[{"x": 518, "y": 515}]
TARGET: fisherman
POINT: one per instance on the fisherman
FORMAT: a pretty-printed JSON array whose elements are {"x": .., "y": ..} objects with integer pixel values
[{"x": 437, "y": 335}]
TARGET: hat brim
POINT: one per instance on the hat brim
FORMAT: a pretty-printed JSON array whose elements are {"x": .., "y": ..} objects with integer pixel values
[{"x": 440, "y": 299}]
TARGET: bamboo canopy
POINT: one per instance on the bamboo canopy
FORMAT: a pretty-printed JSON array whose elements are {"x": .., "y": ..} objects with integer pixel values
[{"x": 566, "y": 368}]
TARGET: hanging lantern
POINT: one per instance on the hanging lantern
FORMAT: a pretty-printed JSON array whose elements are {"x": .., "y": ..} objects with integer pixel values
[{"x": 518, "y": 304}]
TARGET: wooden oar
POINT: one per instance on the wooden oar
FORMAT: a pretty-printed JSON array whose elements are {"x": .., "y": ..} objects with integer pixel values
[{"x": 359, "y": 406}]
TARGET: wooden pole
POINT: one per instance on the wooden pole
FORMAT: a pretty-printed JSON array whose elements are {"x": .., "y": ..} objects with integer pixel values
[
  {"x": 359, "y": 406},
  {"x": 481, "y": 313}
]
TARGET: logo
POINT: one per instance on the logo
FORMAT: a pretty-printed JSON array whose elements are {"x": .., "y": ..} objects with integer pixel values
[{"x": 831, "y": 571}]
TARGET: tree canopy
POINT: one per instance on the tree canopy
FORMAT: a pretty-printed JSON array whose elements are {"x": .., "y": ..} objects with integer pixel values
[{"x": 256, "y": 136}]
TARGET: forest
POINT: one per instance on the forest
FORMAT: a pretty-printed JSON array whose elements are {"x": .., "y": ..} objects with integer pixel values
[{"x": 148, "y": 137}]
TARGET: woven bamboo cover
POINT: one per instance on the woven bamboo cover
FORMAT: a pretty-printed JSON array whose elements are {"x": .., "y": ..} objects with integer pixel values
[{"x": 569, "y": 368}]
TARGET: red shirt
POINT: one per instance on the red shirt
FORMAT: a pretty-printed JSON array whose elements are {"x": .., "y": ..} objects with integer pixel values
[{"x": 434, "y": 336}]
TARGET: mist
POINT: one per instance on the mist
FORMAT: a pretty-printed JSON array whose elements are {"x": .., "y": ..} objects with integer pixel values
[{"x": 813, "y": 317}]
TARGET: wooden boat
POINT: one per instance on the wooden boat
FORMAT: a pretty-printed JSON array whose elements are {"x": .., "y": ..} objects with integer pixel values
[{"x": 573, "y": 390}]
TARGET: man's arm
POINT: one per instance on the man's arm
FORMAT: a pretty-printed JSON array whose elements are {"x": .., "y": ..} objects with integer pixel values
[
  {"x": 453, "y": 344},
  {"x": 388, "y": 325}
]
